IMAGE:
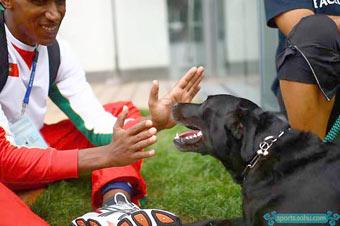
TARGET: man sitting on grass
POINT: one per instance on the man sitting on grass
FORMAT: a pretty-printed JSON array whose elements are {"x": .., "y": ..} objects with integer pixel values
[{"x": 30, "y": 151}]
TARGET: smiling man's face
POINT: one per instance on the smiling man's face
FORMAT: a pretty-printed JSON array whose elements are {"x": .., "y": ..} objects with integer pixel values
[{"x": 34, "y": 21}]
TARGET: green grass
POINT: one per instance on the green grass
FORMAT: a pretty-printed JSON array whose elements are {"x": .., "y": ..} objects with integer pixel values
[
  {"x": 194, "y": 187},
  {"x": 191, "y": 185}
]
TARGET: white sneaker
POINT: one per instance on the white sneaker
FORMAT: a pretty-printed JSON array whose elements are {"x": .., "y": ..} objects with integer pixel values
[{"x": 120, "y": 212}]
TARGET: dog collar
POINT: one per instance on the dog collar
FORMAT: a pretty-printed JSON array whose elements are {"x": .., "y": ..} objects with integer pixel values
[{"x": 262, "y": 151}]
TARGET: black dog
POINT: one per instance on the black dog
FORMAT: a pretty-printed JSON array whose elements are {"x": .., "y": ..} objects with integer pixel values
[{"x": 279, "y": 169}]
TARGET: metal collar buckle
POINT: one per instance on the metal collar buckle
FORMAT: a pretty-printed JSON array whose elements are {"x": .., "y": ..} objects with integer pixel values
[{"x": 262, "y": 151}]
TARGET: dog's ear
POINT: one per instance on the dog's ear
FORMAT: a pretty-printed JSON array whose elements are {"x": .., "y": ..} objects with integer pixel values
[
  {"x": 251, "y": 124},
  {"x": 234, "y": 121},
  {"x": 242, "y": 123}
]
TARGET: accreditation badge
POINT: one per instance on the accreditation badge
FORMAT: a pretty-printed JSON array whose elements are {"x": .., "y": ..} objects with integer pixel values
[{"x": 26, "y": 134}]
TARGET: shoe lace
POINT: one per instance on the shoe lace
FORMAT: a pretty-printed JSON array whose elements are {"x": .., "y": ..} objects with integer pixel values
[{"x": 124, "y": 208}]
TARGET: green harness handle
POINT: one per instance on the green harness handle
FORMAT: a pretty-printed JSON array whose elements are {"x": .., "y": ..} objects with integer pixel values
[{"x": 334, "y": 132}]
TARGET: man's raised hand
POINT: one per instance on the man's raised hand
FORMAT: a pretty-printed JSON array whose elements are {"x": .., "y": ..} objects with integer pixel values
[{"x": 184, "y": 91}]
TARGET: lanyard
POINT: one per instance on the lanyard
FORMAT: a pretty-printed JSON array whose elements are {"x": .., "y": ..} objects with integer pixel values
[{"x": 30, "y": 83}]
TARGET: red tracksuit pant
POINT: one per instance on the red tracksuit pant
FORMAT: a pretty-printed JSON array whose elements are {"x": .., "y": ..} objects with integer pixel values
[{"x": 64, "y": 136}]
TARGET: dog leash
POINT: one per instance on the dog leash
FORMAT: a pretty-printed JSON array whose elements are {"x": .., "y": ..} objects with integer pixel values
[
  {"x": 334, "y": 132},
  {"x": 262, "y": 151}
]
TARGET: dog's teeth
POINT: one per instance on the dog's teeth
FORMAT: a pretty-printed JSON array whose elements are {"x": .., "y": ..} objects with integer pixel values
[
  {"x": 199, "y": 133},
  {"x": 177, "y": 136},
  {"x": 194, "y": 135}
]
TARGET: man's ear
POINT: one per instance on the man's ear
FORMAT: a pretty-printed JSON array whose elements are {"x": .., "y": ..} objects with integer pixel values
[{"x": 7, "y": 4}]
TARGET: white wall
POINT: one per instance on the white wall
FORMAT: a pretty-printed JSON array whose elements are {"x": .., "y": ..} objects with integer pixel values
[
  {"x": 241, "y": 26},
  {"x": 142, "y": 34},
  {"x": 88, "y": 27}
]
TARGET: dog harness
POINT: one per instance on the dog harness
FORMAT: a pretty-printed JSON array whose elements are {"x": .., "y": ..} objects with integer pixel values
[{"x": 334, "y": 132}]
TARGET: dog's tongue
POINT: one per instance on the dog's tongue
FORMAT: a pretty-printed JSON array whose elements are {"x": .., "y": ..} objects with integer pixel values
[
  {"x": 190, "y": 137},
  {"x": 188, "y": 133}
]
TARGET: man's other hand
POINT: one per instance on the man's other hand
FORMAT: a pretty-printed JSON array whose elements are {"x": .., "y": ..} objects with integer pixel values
[
  {"x": 127, "y": 144},
  {"x": 125, "y": 148}
]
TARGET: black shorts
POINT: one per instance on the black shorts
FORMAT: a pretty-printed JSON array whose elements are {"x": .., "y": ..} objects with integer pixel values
[
  {"x": 312, "y": 55},
  {"x": 296, "y": 69}
]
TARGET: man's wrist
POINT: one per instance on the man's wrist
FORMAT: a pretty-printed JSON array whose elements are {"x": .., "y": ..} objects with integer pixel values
[{"x": 92, "y": 159}]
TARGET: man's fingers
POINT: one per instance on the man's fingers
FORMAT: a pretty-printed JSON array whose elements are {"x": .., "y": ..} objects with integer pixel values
[
  {"x": 189, "y": 75},
  {"x": 195, "y": 80},
  {"x": 200, "y": 71},
  {"x": 121, "y": 118},
  {"x": 144, "y": 154},
  {"x": 195, "y": 84},
  {"x": 194, "y": 92},
  {"x": 144, "y": 143},
  {"x": 191, "y": 93},
  {"x": 153, "y": 97},
  {"x": 145, "y": 134},
  {"x": 139, "y": 127}
]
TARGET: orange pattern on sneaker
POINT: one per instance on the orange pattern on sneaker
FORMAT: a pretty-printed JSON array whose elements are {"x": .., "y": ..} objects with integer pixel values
[
  {"x": 164, "y": 218},
  {"x": 140, "y": 219}
]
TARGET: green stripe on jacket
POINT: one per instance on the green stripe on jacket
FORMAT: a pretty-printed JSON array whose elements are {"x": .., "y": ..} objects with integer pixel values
[{"x": 64, "y": 104}]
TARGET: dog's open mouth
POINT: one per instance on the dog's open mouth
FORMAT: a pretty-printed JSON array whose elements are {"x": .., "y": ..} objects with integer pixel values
[{"x": 189, "y": 140}]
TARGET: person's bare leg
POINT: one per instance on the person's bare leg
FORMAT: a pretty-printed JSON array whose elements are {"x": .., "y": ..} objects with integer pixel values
[{"x": 307, "y": 108}]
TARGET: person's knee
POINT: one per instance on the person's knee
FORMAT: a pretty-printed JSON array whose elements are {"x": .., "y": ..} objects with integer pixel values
[
  {"x": 316, "y": 29},
  {"x": 307, "y": 110},
  {"x": 116, "y": 108},
  {"x": 301, "y": 100},
  {"x": 128, "y": 103},
  {"x": 302, "y": 95}
]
